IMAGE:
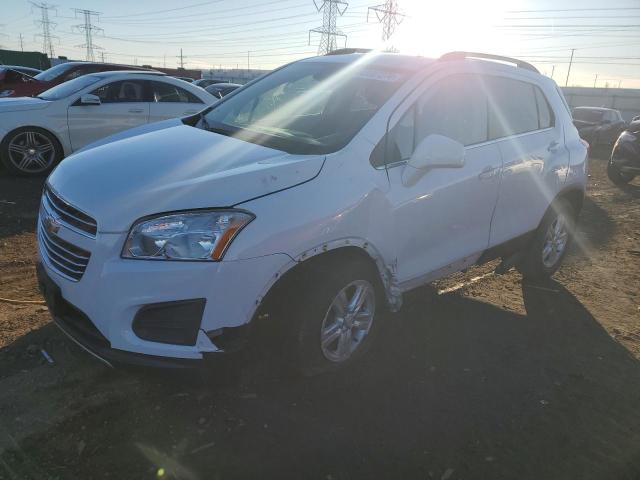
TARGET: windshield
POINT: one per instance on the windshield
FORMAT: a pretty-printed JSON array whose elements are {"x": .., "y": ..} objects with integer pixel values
[
  {"x": 587, "y": 115},
  {"x": 306, "y": 107},
  {"x": 68, "y": 88},
  {"x": 53, "y": 72}
]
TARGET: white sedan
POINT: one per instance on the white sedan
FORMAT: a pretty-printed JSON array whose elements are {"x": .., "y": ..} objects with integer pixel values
[{"x": 37, "y": 132}]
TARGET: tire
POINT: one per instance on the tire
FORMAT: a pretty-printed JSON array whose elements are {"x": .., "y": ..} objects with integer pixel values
[
  {"x": 550, "y": 243},
  {"x": 322, "y": 339},
  {"x": 30, "y": 152},
  {"x": 618, "y": 177}
]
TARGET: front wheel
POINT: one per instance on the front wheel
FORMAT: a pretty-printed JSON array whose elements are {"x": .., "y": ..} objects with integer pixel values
[
  {"x": 618, "y": 177},
  {"x": 30, "y": 151},
  {"x": 549, "y": 245},
  {"x": 335, "y": 317}
]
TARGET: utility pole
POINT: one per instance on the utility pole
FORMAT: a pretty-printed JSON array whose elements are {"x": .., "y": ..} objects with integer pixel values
[
  {"x": 388, "y": 15},
  {"x": 102, "y": 56},
  {"x": 331, "y": 9},
  {"x": 553, "y": 69},
  {"x": 181, "y": 57},
  {"x": 248, "y": 65},
  {"x": 566, "y": 83},
  {"x": 88, "y": 28},
  {"x": 47, "y": 25},
  {"x": 164, "y": 60},
  {"x": 595, "y": 81},
  {"x": 21, "y": 44},
  {"x": 619, "y": 83}
]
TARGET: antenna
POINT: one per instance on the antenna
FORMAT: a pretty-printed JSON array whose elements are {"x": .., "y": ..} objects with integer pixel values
[
  {"x": 388, "y": 15},
  {"x": 87, "y": 27},
  {"x": 47, "y": 25},
  {"x": 331, "y": 9}
]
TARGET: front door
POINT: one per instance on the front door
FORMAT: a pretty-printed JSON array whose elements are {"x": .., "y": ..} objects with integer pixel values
[
  {"x": 442, "y": 222},
  {"x": 124, "y": 104}
]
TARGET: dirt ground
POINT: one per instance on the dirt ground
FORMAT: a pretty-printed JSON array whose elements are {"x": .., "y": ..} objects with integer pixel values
[{"x": 497, "y": 379}]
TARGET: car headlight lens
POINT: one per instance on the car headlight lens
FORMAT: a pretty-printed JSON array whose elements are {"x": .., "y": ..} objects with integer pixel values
[
  {"x": 6, "y": 93},
  {"x": 198, "y": 235}
]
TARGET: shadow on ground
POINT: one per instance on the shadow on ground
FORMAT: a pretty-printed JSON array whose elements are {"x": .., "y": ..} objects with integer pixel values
[{"x": 456, "y": 388}]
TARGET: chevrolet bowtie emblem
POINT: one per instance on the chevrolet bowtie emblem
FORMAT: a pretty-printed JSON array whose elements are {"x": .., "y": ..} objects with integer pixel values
[{"x": 51, "y": 224}]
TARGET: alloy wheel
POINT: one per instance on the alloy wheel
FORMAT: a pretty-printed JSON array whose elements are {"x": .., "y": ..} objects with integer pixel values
[
  {"x": 348, "y": 321},
  {"x": 555, "y": 241},
  {"x": 31, "y": 152}
]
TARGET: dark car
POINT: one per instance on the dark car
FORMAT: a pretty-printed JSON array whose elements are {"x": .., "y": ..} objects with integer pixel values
[
  {"x": 219, "y": 90},
  {"x": 17, "y": 84},
  {"x": 184, "y": 79},
  {"x": 624, "y": 164},
  {"x": 32, "y": 72},
  {"x": 597, "y": 125}
]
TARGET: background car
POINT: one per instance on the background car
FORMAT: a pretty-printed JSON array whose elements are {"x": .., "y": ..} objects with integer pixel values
[
  {"x": 219, "y": 90},
  {"x": 21, "y": 86},
  {"x": 597, "y": 125},
  {"x": 624, "y": 164},
  {"x": 205, "y": 82},
  {"x": 36, "y": 133},
  {"x": 18, "y": 68},
  {"x": 185, "y": 79}
]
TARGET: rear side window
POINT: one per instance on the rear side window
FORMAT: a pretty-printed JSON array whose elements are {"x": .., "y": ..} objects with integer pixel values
[
  {"x": 512, "y": 107},
  {"x": 166, "y": 92},
  {"x": 123, "y": 91},
  {"x": 545, "y": 115}
]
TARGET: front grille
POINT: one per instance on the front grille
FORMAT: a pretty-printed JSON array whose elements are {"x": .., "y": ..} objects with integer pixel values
[
  {"x": 69, "y": 214},
  {"x": 67, "y": 259}
]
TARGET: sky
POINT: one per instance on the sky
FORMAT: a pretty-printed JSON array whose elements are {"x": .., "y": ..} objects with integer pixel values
[{"x": 269, "y": 33}]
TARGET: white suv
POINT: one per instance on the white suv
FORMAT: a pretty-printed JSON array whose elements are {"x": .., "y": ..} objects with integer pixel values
[{"x": 311, "y": 199}]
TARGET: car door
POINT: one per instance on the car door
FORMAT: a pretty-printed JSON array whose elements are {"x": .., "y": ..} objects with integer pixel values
[
  {"x": 442, "y": 221},
  {"x": 531, "y": 143},
  {"x": 171, "y": 101},
  {"x": 123, "y": 104}
]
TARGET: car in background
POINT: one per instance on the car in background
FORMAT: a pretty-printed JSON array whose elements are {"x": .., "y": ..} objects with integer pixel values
[
  {"x": 205, "y": 82},
  {"x": 27, "y": 86},
  {"x": 624, "y": 163},
  {"x": 18, "y": 68},
  {"x": 37, "y": 132},
  {"x": 599, "y": 126},
  {"x": 219, "y": 90},
  {"x": 185, "y": 79}
]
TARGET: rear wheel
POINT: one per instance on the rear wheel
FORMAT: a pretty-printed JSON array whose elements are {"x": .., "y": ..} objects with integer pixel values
[
  {"x": 618, "y": 177},
  {"x": 546, "y": 251},
  {"x": 30, "y": 151}
]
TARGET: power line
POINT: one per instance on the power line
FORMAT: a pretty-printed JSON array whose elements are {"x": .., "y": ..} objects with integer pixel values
[
  {"x": 47, "y": 44},
  {"x": 329, "y": 32},
  {"x": 88, "y": 28},
  {"x": 388, "y": 15}
]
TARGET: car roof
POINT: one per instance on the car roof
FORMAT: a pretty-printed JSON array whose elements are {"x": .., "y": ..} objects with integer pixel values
[
  {"x": 598, "y": 109},
  {"x": 127, "y": 72},
  {"x": 224, "y": 85},
  {"x": 380, "y": 60}
]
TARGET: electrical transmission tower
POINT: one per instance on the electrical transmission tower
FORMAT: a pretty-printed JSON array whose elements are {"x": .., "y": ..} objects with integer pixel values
[
  {"x": 47, "y": 25},
  {"x": 88, "y": 28},
  {"x": 329, "y": 32},
  {"x": 388, "y": 15}
]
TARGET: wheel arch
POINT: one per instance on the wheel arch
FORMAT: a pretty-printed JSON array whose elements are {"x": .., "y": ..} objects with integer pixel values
[{"x": 574, "y": 195}]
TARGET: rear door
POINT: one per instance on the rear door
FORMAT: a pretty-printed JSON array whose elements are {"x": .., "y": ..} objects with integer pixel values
[
  {"x": 535, "y": 158},
  {"x": 171, "y": 101},
  {"x": 124, "y": 104}
]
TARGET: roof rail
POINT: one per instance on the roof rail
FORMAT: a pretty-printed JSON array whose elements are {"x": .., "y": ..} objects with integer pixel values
[
  {"x": 462, "y": 55},
  {"x": 346, "y": 51}
]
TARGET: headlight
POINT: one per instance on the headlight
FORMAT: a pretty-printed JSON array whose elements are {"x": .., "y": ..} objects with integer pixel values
[
  {"x": 6, "y": 93},
  {"x": 198, "y": 235}
]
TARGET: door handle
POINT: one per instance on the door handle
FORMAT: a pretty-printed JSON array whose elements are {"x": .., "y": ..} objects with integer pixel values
[
  {"x": 135, "y": 110},
  {"x": 488, "y": 173},
  {"x": 553, "y": 146}
]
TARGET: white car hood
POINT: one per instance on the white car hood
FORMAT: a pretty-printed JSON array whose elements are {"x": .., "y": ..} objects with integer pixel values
[
  {"x": 18, "y": 104},
  {"x": 176, "y": 168}
]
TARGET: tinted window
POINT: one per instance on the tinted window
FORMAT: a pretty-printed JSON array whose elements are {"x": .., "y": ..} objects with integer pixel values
[
  {"x": 512, "y": 107},
  {"x": 587, "y": 115},
  {"x": 166, "y": 92},
  {"x": 455, "y": 107},
  {"x": 122, "y": 91},
  {"x": 545, "y": 116}
]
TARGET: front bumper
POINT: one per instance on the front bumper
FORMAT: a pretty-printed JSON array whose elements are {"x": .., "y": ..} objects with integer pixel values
[{"x": 112, "y": 290}]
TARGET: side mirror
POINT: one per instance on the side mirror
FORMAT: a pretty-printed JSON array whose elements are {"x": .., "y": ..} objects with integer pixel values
[
  {"x": 89, "y": 99},
  {"x": 435, "y": 151}
]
